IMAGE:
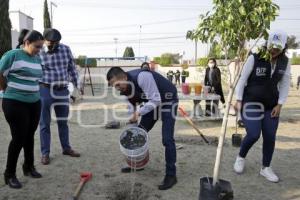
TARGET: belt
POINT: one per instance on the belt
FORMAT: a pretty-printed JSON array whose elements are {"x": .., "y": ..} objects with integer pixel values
[{"x": 55, "y": 87}]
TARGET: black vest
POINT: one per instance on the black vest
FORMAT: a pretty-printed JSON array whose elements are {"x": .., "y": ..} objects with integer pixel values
[
  {"x": 167, "y": 90},
  {"x": 261, "y": 86}
]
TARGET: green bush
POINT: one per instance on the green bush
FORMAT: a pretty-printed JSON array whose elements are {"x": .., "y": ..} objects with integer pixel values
[
  {"x": 202, "y": 61},
  {"x": 92, "y": 62},
  {"x": 295, "y": 61},
  {"x": 165, "y": 60},
  {"x": 156, "y": 59},
  {"x": 128, "y": 53}
]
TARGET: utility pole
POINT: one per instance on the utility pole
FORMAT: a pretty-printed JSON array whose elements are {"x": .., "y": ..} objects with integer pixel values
[
  {"x": 51, "y": 11},
  {"x": 196, "y": 49},
  {"x": 116, "y": 43},
  {"x": 140, "y": 40}
]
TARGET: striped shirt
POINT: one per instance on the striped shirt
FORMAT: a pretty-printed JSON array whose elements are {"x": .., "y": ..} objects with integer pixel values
[
  {"x": 58, "y": 67},
  {"x": 22, "y": 73}
]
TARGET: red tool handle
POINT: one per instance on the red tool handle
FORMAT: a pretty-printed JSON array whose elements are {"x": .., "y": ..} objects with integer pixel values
[
  {"x": 182, "y": 112},
  {"x": 85, "y": 176}
]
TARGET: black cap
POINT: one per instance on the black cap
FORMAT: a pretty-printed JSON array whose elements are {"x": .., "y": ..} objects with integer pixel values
[{"x": 52, "y": 34}]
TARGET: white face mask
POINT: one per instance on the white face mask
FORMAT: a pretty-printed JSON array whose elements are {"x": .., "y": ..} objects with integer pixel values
[{"x": 211, "y": 65}]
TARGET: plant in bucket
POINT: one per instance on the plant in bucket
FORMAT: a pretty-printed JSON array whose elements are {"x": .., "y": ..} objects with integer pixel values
[{"x": 134, "y": 144}]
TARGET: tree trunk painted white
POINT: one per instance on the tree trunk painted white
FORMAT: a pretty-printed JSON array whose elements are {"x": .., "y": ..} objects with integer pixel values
[{"x": 225, "y": 118}]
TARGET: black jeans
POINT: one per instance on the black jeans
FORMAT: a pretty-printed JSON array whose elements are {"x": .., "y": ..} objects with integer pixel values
[{"x": 23, "y": 119}]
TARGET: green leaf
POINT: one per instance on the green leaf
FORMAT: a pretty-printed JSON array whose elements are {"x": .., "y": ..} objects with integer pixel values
[{"x": 242, "y": 10}]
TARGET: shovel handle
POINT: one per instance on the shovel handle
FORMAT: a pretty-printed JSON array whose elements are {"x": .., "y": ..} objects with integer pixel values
[
  {"x": 78, "y": 189},
  {"x": 184, "y": 114}
]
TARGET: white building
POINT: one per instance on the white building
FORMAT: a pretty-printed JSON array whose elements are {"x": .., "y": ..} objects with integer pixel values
[
  {"x": 19, "y": 21},
  {"x": 293, "y": 52}
]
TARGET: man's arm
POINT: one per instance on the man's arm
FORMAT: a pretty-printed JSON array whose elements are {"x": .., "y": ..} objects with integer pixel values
[
  {"x": 148, "y": 85},
  {"x": 72, "y": 69}
]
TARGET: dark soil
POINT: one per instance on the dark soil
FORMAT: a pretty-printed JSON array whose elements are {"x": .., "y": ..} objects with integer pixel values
[
  {"x": 123, "y": 191},
  {"x": 133, "y": 141}
]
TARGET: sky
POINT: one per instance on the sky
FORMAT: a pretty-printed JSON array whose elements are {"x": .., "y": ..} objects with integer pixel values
[{"x": 97, "y": 28}]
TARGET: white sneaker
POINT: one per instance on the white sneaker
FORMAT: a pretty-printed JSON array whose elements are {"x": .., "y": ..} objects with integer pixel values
[
  {"x": 239, "y": 165},
  {"x": 269, "y": 174}
]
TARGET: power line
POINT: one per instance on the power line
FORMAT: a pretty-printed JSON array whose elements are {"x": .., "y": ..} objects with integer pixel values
[
  {"x": 98, "y": 5},
  {"x": 136, "y": 25},
  {"x": 120, "y": 33},
  {"x": 128, "y": 41}
]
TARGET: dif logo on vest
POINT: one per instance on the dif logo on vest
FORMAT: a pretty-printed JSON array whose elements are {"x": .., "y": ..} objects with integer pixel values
[{"x": 261, "y": 71}]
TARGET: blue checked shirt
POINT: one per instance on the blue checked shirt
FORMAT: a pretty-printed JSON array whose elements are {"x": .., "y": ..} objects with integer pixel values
[{"x": 59, "y": 67}]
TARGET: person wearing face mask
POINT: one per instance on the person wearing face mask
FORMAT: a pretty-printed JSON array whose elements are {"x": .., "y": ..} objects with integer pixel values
[
  {"x": 58, "y": 67},
  {"x": 20, "y": 71},
  {"x": 261, "y": 91},
  {"x": 214, "y": 81}
]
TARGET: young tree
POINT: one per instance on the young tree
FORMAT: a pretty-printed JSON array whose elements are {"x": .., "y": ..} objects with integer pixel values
[
  {"x": 215, "y": 50},
  {"x": 232, "y": 23},
  {"x": 292, "y": 43},
  {"x": 128, "y": 53},
  {"x": 47, "y": 21},
  {"x": 5, "y": 28}
]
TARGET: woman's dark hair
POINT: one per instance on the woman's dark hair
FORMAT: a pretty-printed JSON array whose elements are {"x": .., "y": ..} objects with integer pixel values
[
  {"x": 21, "y": 37},
  {"x": 33, "y": 36},
  {"x": 213, "y": 59}
]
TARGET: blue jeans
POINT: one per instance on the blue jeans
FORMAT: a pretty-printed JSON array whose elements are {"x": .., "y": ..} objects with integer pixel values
[
  {"x": 168, "y": 122},
  {"x": 48, "y": 101},
  {"x": 254, "y": 127}
]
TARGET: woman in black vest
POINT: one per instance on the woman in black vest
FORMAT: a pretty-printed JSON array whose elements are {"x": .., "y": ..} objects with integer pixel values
[
  {"x": 261, "y": 91},
  {"x": 213, "y": 79}
]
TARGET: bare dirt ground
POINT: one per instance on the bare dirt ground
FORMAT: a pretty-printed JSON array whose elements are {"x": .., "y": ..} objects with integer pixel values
[{"x": 101, "y": 155}]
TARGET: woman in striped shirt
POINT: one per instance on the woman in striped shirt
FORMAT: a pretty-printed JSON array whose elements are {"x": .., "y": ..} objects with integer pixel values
[{"x": 20, "y": 70}]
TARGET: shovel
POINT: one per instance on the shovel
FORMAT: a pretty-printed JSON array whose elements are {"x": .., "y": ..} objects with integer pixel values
[
  {"x": 236, "y": 138},
  {"x": 84, "y": 177},
  {"x": 184, "y": 114}
]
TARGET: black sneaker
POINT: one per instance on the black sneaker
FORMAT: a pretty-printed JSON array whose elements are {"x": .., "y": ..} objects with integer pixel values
[
  {"x": 169, "y": 182},
  {"x": 12, "y": 182}
]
